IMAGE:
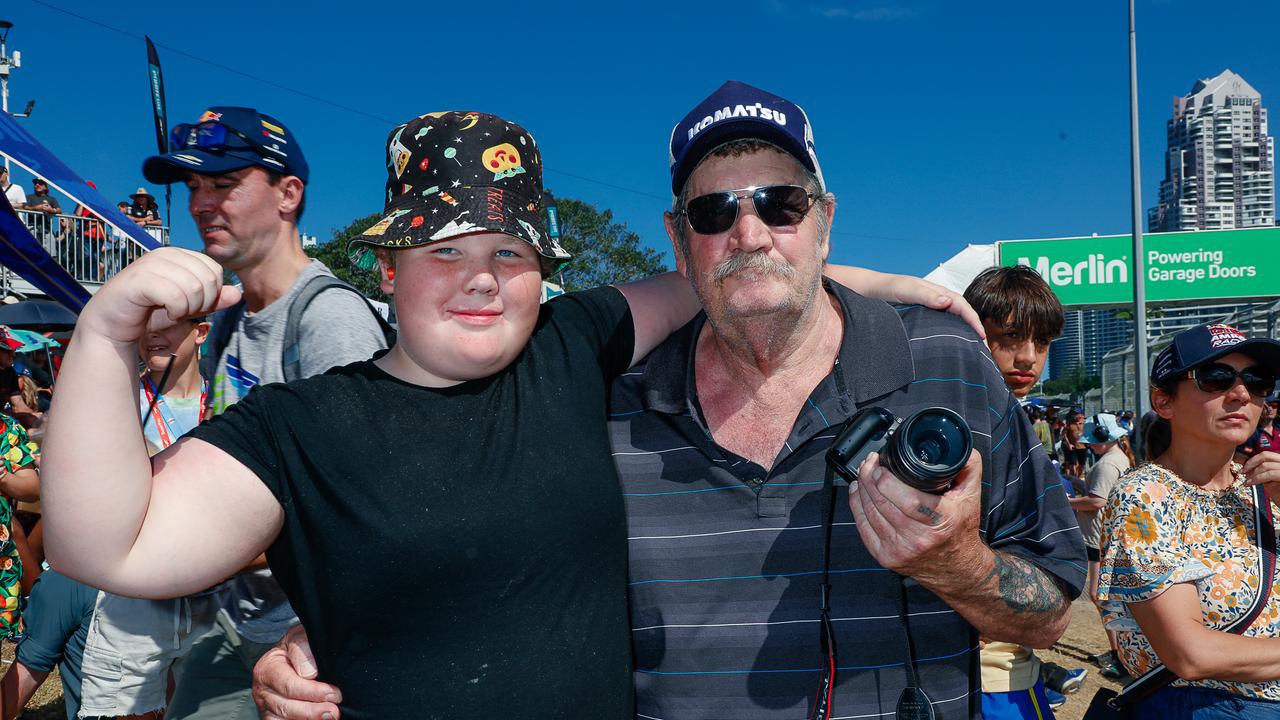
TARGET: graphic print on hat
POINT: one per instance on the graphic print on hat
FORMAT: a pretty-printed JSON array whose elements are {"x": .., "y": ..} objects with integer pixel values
[
  {"x": 454, "y": 173},
  {"x": 1204, "y": 343}
]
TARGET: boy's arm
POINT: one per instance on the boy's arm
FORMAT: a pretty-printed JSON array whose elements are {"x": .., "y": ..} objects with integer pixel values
[
  {"x": 661, "y": 304},
  {"x": 906, "y": 290},
  {"x": 114, "y": 519}
]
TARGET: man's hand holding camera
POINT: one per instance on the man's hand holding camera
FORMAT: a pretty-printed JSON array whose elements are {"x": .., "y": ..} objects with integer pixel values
[{"x": 922, "y": 535}]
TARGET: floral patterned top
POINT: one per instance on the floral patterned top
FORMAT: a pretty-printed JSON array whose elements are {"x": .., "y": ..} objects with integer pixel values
[
  {"x": 1159, "y": 530},
  {"x": 16, "y": 451}
]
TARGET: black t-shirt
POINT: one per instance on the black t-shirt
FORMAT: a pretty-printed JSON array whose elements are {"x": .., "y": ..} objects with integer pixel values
[{"x": 456, "y": 552}]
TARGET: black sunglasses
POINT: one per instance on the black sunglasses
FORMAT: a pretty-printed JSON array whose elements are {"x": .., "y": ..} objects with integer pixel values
[
  {"x": 1220, "y": 377},
  {"x": 777, "y": 206}
]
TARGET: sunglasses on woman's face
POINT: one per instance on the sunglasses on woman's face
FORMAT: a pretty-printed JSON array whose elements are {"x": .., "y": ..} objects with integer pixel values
[
  {"x": 1220, "y": 377},
  {"x": 777, "y": 206}
]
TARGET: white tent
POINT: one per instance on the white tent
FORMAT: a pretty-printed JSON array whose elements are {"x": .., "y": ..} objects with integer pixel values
[{"x": 959, "y": 271}]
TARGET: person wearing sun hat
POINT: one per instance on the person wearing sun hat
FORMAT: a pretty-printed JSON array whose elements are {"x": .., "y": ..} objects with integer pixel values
[
  {"x": 1104, "y": 435},
  {"x": 144, "y": 210},
  {"x": 1188, "y": 572}
]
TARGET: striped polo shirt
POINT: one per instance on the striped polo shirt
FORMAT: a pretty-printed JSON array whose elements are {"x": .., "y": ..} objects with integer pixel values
[{"x": 726, "y": 556}]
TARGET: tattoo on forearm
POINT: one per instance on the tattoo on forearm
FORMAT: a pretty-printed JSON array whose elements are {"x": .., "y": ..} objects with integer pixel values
[{"x": 1024, "y": 587}]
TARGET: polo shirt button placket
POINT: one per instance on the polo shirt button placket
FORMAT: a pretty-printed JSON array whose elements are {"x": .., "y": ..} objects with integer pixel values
[{"x": 769, "y": 502}]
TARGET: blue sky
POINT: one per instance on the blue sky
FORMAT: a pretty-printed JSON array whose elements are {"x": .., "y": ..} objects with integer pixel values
[{"x": 938, "y": 123}]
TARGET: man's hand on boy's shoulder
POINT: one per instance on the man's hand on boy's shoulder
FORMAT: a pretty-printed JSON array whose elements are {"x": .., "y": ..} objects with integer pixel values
[{"x": 152, "y": 292}]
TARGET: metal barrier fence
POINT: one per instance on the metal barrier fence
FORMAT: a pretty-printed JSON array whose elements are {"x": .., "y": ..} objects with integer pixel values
[
  {"x": 1119, "y": 376},
  {"x": 88, "y": 248}
]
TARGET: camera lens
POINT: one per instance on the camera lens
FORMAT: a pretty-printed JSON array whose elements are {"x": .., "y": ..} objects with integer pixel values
[{"x": 929, "y": 448}]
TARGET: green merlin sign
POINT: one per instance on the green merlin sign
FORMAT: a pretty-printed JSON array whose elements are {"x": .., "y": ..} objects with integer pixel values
[{"x": 1197, "y": 265}]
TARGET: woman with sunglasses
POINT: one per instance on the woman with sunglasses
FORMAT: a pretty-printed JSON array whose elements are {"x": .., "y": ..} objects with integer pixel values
[{"x": 1188, "y": 545}]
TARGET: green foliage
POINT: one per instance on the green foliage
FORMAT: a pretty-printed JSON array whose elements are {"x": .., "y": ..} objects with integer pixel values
[
  {"x": 604, "y": 251},
  {"x": 1077, "y": 383},
  {"x": 334, "y": 255}
]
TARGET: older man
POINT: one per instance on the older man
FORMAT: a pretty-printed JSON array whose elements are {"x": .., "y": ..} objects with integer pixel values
[{"x": 720, "y": 438}]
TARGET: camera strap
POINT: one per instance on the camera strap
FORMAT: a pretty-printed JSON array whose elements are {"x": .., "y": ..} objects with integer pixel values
[
  {"x": 913, "y": 703},
  {"x": 827, "y": 638}
]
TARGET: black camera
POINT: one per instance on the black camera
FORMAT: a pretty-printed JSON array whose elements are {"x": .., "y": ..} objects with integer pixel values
[{"x": 926, "y": 450}]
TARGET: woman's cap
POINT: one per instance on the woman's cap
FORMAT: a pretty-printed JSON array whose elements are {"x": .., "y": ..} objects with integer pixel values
[
  {"x": 459, "y": 173},
  {"x": 1102, "y": 428},
  {"x": 1204, "y": 343}
]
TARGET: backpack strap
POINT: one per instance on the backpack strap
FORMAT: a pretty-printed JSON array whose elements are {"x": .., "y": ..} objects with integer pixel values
[
  {"x": 222, "y": 325},
  {"x": 291, "y": 355}
]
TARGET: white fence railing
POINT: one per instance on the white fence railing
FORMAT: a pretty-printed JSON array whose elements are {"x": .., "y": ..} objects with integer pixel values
[{"x": 88, "y": 248}]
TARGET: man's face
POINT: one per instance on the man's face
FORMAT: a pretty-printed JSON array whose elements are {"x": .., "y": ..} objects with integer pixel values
[
  {"x": 752, "y": 269},
  {"x": 1269, "y": 411},
  {"x": 1019, "y": 356},
  {"x": 238, "y": 215},
  {"x": 39, "y": 188},
  {"x": 6, "y": 357}
]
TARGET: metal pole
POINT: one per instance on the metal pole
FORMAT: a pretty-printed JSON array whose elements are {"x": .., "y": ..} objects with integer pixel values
[
  {"x": 4, "y": 89},
  {"x": 1135, "y": 172}
]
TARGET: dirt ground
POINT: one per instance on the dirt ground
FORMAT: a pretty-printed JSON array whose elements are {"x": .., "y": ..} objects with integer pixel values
[
  {"x": 47, "y": 703},
  {"x": 1084, "y": 637}
]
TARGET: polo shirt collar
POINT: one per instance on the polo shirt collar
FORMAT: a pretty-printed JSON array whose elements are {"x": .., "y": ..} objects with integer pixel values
[{"x": 874, "y": 360}]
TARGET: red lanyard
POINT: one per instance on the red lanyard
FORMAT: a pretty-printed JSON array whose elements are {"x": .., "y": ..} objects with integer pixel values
[{"x": 157, "y": 405}]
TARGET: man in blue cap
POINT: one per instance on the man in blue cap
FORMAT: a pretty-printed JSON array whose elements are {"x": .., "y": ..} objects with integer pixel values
[{"x": 247, "y": 178}]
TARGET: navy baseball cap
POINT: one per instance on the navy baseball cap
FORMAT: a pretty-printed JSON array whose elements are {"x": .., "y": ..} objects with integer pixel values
[
  {"x": 1204, "y": 343},
  {"x": 737, "y": 111},
  {"x": 226, "y": 139}
]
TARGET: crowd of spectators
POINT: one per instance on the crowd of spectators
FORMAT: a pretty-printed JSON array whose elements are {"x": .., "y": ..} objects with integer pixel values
[{"x": 79, "y": 240}]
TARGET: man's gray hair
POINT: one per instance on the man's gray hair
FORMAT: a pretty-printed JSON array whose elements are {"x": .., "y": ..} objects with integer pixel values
[{"x": 750, "y": 146}]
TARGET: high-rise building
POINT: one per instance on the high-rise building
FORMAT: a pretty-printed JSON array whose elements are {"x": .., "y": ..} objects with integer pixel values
[
  {"x": 1219, "y": 164},
  {"x": 1087, "y": 335}
]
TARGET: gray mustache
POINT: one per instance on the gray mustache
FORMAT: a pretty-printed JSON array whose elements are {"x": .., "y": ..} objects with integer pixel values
[{"x": 751, "y": 261}]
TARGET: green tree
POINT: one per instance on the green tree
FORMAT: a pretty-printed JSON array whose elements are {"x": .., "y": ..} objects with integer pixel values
[
  {"x": 334, "y": 254},
  {"x": 604, "y": 251},
  {"x": 1075, "y": 383}
]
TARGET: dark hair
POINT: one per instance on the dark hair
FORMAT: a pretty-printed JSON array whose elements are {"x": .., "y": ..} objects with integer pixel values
[
  {"x": 274, "y": 178},
  {"x": 1017, "y": 294},
  {"x": 1125, "y": 446},
  {"x": 1157, "y": 435}
]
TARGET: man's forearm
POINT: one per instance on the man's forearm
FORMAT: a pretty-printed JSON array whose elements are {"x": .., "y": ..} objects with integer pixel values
[{"x": 1006, "y": 598}]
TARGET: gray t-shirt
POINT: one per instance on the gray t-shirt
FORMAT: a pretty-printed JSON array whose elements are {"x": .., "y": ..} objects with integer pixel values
[
  {"x": 337, "y": 328},
  {"x": 1102, "y": 477}
]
